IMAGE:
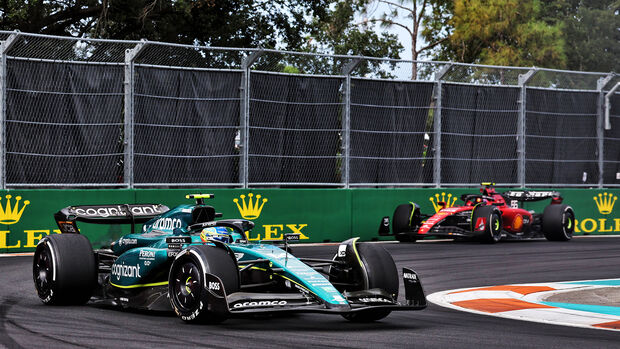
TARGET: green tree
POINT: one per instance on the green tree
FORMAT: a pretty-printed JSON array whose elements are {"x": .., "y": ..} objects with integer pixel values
[
  {"x": 241, "y": 23},
  {"x": 338, "y": 33},
  {"x": 422, "y": 20},
  {"x": 504, "y": 32},
  {"x": 591, "y": 32}
]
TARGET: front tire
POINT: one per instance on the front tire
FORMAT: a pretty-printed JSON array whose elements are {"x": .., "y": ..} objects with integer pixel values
[
  {"x": 64, "y": 269},
  {"x": 404, "y": 219},
  {"x": 558, "y": 222},
  {"x": 487, "y": 219},
  {"x": 380, "y": 272},
  {"x": 186, "y": 282}
]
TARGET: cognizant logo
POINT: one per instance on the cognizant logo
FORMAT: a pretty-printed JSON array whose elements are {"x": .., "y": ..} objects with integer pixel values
[{"x": 119, "y": 270}]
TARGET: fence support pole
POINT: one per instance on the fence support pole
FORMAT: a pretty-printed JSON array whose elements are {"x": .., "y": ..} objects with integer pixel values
[
  {"x": 5, "y": 46},
  {"x": 437, "y": 124},
  {"x": 608, "y": 105},
  {"x": 600, "y": 124},
  {"x": 244, "y": 117},
  {"x": 130, "y": 56},
  {"x": 346, "y": 122},
  {"x": 523, "y": 79}
]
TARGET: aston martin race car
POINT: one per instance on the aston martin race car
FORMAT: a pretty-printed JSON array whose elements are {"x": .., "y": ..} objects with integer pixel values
[
  {"x": 488, "y": 217},
  {"x": 204, "y": 269}
]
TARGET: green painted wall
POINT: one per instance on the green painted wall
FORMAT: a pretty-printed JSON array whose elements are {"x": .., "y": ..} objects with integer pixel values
[{"x": 318, "y": 214}]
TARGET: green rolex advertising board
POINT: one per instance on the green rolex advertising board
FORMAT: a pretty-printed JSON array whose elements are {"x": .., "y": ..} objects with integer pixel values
[{"x": 318, "y": 215}]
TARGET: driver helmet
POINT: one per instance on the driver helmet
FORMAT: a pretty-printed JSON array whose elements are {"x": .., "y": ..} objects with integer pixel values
[{"x": 215, "y": 233}]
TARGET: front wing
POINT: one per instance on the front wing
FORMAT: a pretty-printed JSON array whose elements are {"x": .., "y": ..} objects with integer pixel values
[{"x": 240, "y": 303}]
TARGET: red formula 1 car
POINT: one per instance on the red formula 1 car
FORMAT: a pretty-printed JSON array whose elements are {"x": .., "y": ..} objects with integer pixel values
[{"x": 487, "y": 217}]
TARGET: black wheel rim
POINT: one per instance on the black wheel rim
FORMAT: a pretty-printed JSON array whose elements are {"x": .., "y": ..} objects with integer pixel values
[
  {"x": 187, "y": 286},
  {"x": 42, "y": 272}
]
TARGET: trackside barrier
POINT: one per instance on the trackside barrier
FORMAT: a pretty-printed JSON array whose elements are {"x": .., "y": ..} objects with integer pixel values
[
  {"x": 319, "y": 215},
  {"x": 183, "y": 116}
]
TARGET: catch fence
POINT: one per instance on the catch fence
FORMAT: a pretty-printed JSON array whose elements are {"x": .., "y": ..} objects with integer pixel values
[{"x": 102, "y": 113}]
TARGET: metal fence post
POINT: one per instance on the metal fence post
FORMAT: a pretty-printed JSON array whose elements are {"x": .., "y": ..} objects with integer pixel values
[
  {"x": 130, "y": 56},
  {"x": 5, "y": 46},
  {"x": 437, "y": 124},
  {"x": 600, "y": 124},
  {"x": 523, "y": 79},
  {"x": 346, "y": 121},
  {"x": 608, "y": 105},
  {"x": 244, "y": 117}
]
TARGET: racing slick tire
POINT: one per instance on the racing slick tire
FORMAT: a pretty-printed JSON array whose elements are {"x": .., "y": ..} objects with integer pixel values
[
  {"x": 64, "y": 269},
  {"x": 381, "y": 273},
  {"x": 492, "y": 226},
  {"x": 186, "y": 282},
  {"x": 558, "y": 222},
  {"x": 404, "y": 217}
]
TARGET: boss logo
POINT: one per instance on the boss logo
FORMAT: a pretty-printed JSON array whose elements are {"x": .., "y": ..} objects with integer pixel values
[
  {"x": 214, "y": 286},
  {"x": 179, "y": 240}
]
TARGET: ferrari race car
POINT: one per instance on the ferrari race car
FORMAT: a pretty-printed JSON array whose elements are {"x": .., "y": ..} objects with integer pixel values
[
  {"x": 204, "y": 269},
  {"x": 487, "y": 217}
]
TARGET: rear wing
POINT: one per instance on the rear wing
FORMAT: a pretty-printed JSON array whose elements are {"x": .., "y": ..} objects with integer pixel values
[
  {"x": 106, "y": 214},
  {"x": 525, "y": 195}
]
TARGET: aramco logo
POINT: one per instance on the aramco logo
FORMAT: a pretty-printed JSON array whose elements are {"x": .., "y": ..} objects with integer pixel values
[
  {"x": 605, "y": 202},
  {"x": 251, "y": 209},
  {"x": 10, "y": 214},
  {"x": 448, "y": 200}
]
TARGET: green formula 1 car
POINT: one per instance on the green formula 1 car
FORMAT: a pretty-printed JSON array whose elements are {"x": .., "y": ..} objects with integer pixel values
[{"x": 206, "y": 270}]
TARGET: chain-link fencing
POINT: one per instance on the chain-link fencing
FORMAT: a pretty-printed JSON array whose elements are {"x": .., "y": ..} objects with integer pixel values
[{"x": 83, "y": 112}]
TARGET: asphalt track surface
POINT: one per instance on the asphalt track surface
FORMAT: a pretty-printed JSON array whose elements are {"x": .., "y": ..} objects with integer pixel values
[{"x": 26, "y": 323}]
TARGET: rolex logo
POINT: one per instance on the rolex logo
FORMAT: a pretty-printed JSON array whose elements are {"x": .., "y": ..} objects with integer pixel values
[
  {"x": 448, "y": 200},
  {"x": 10, "y": 214},
  {"x": 251, "y": 209},
  {"x": 605, "y": 202}
]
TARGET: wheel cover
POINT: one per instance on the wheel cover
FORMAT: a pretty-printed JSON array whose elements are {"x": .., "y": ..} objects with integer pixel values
[
  {"x": 187, "y": 286},
  {"x": 42, "y": 272}
]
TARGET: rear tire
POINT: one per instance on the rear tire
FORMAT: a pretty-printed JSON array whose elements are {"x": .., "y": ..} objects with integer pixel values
[
  {"x": 402, "y": 222},
  {"x": 558, "y": 222},
  {"x": 186, "y": 282},
  {"x": 492, "y": 219},
  {"x": 64, "y": 269},
  {"x": 381, "y": 273}
]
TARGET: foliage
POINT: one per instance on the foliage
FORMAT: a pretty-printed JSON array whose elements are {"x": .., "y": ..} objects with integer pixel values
[
  {"x": 338, "y": 33},
  {"x": 240, "y": 23},
  {"x": 504, "y": 32},
  {"x": 561, "y": 34},
  {"x": 592, "y": 32}
]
